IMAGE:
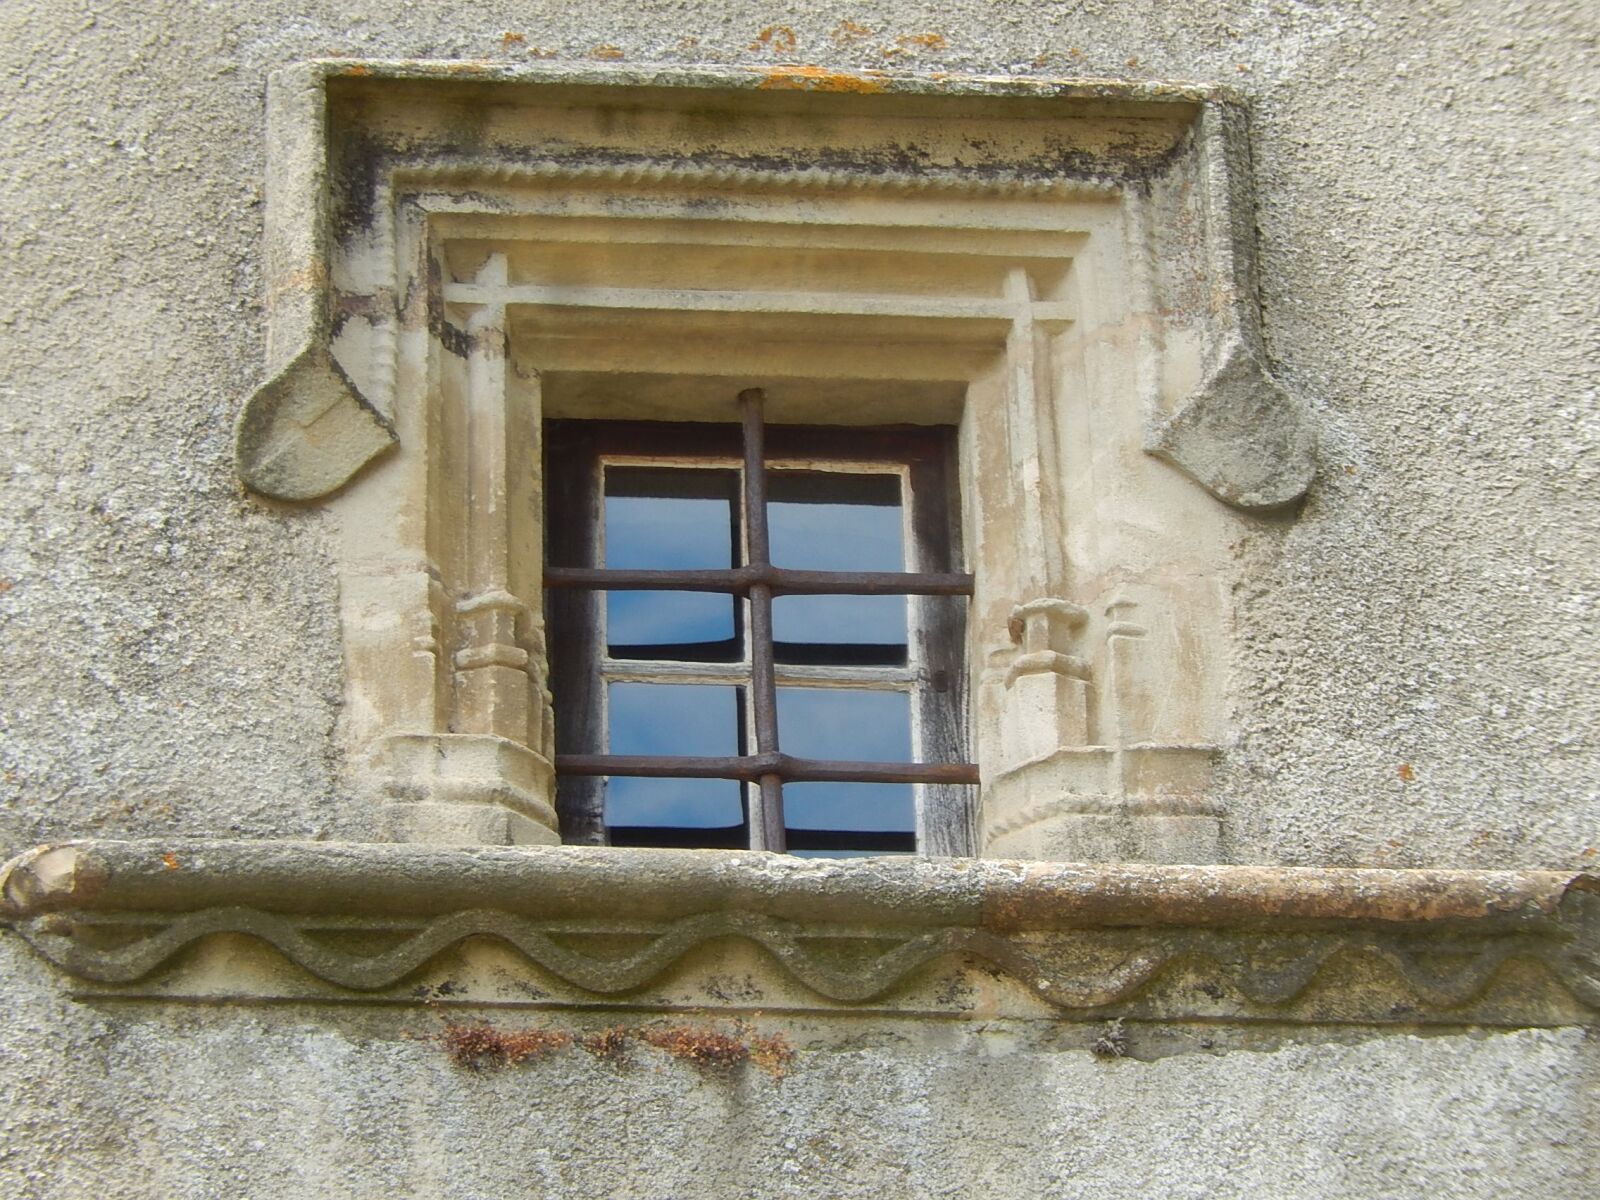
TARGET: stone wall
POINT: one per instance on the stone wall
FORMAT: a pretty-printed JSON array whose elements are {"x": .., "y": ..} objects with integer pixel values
[{"x": 1412, "y": 683}]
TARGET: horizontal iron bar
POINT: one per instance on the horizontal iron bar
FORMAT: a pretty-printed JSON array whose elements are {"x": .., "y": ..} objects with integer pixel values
[
  {"x": 750, "y": 767},
  {"x": 783, "y": 581}
]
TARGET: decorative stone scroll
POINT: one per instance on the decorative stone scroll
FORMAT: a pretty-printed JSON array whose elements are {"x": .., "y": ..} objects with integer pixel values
[
  {"x": 1062, "y": 268},
  {"x": 592, "y": 925}
]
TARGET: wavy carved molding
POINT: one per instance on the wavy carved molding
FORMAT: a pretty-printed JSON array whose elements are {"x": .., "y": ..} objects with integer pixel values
[{"x": 1452, "y": 947}]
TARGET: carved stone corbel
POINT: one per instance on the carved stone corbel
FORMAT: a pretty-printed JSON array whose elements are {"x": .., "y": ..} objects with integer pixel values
[
  {"x": 1239, "y": 434},
  {"x": 308, "y": 429}
]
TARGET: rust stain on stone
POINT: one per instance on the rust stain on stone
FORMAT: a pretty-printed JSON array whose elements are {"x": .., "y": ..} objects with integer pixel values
[{"x": 820, "y": 79}]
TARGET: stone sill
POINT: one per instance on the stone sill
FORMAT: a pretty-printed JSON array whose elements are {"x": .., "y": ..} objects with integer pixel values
[{"x": 971, "y": 938}]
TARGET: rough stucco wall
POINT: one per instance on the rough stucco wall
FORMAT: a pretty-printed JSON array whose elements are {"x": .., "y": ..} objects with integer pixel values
[{"x": 1428, "y": 187}]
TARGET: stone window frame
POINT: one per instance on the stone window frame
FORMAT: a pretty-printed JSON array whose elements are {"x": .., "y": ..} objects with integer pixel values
[
  {"x": 539, "y": 926},
  {"x": 1082, "y": 755}
]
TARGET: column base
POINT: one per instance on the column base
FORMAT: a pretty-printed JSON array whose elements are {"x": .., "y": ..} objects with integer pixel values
[{"x": 467, "y": 789}]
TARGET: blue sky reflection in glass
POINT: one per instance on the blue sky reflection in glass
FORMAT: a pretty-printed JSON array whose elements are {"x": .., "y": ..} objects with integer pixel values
[
  {"x": 837, "y": 521},
  {"x": 672, "y": 719},
  {"x": 843, "y": 723},
  {"x": 662, "y": 518}
]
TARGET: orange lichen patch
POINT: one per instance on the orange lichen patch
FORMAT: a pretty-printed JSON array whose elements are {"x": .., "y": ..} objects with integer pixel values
[
  {"x": 780, "y": 39},
  {"x": 607, "y": 52},
  {"x": 772, "y": 1053},
  {"x": 820, "y": 79},
  {"x": 922, "y": 41},
  {"x": 608, "y": 1044},
  {"x": 705, "y": 1048},
  {"x": 482, "y": 1046},
  {"x": 357, "y": 69},
  {"x": 1406, "y": 772},
  {"x": 170, "y": 861},
  {"x": 509, "y": 39},
  {"x": 847, "y": 32}
]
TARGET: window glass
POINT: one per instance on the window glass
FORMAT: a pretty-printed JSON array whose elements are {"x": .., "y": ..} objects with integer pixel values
[
  {"x": 663, "y": 719},
  {"x": 849, "y": 808},
  {"x": 670, "y": 519},
  {"x": 837, "y": 521},
  {"x": 845, "y": 723}
]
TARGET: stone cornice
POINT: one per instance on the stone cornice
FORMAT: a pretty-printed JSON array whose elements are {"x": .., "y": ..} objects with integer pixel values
[
  {"x": 309, "y": 428},
  {"x": 1284, "y": 944}
]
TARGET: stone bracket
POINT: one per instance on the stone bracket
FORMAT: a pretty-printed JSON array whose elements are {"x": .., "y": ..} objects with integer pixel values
[
  {"x": 306, "y": 431},
  {"x": 1240, "y": 434},
  {"x": 1047, "y": 940}
]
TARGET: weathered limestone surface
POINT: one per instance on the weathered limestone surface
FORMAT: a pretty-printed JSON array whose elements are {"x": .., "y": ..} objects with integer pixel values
[{"x": 1412, "y": 681}]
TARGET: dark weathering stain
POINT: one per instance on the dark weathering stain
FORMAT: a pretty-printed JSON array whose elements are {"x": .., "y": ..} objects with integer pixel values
[{"x": 360, "y": 161}]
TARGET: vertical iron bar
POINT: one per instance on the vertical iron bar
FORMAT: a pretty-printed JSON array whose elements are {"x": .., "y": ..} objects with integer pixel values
[{"x": 766, "y": 829}]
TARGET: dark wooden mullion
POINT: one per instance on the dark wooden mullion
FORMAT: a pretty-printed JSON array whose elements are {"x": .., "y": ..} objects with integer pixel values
[
  {"x": 766, "y": 823},
  {"x": 937, "y": 645},
  {"x": 577, "y": 627}
]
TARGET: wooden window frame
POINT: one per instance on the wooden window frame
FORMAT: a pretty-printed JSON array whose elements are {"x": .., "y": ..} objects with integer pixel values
[{"x": 934, "y": 674}]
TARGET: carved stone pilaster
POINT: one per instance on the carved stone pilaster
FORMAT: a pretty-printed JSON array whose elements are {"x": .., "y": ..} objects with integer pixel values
[{"x": 487, "y": 775}]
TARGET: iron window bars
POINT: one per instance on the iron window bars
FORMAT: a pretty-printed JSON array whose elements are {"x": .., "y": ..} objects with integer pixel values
[{"x": 575, "y": 498}]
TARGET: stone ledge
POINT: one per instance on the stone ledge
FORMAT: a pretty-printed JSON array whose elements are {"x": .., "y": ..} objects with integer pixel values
[{"x": 887, "y": 934}]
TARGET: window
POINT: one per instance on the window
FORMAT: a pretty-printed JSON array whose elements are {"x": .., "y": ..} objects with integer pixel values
[
  {"x": 1064, "y": 276},
  {"x": 756, "y": 636}
]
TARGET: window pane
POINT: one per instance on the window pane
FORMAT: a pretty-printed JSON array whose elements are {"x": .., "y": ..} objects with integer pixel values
[
  {"x": 698, "y": 626},
  {"x": 839, "y": 723},
  {"x": 835, "y": 521},
  {"x": 823, "y": 629},
  {"x": 665, "y": 518},
  {"x": 850, "y": 807},
  {"x": 672, "y": 718},
  {"x": 666, "y": 804}
]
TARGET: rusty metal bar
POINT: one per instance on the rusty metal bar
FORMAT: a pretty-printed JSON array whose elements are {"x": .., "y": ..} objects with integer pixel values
[
  {"x": 779, "y": 581},
  {"x": 754, "y": 768},
  {"x": 766, "y": 824}
]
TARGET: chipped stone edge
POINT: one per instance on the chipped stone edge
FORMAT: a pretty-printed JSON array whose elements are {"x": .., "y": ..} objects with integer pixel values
[
  {"x": 1266, "y": 933},
  {"x": 308, "y": 430}
]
